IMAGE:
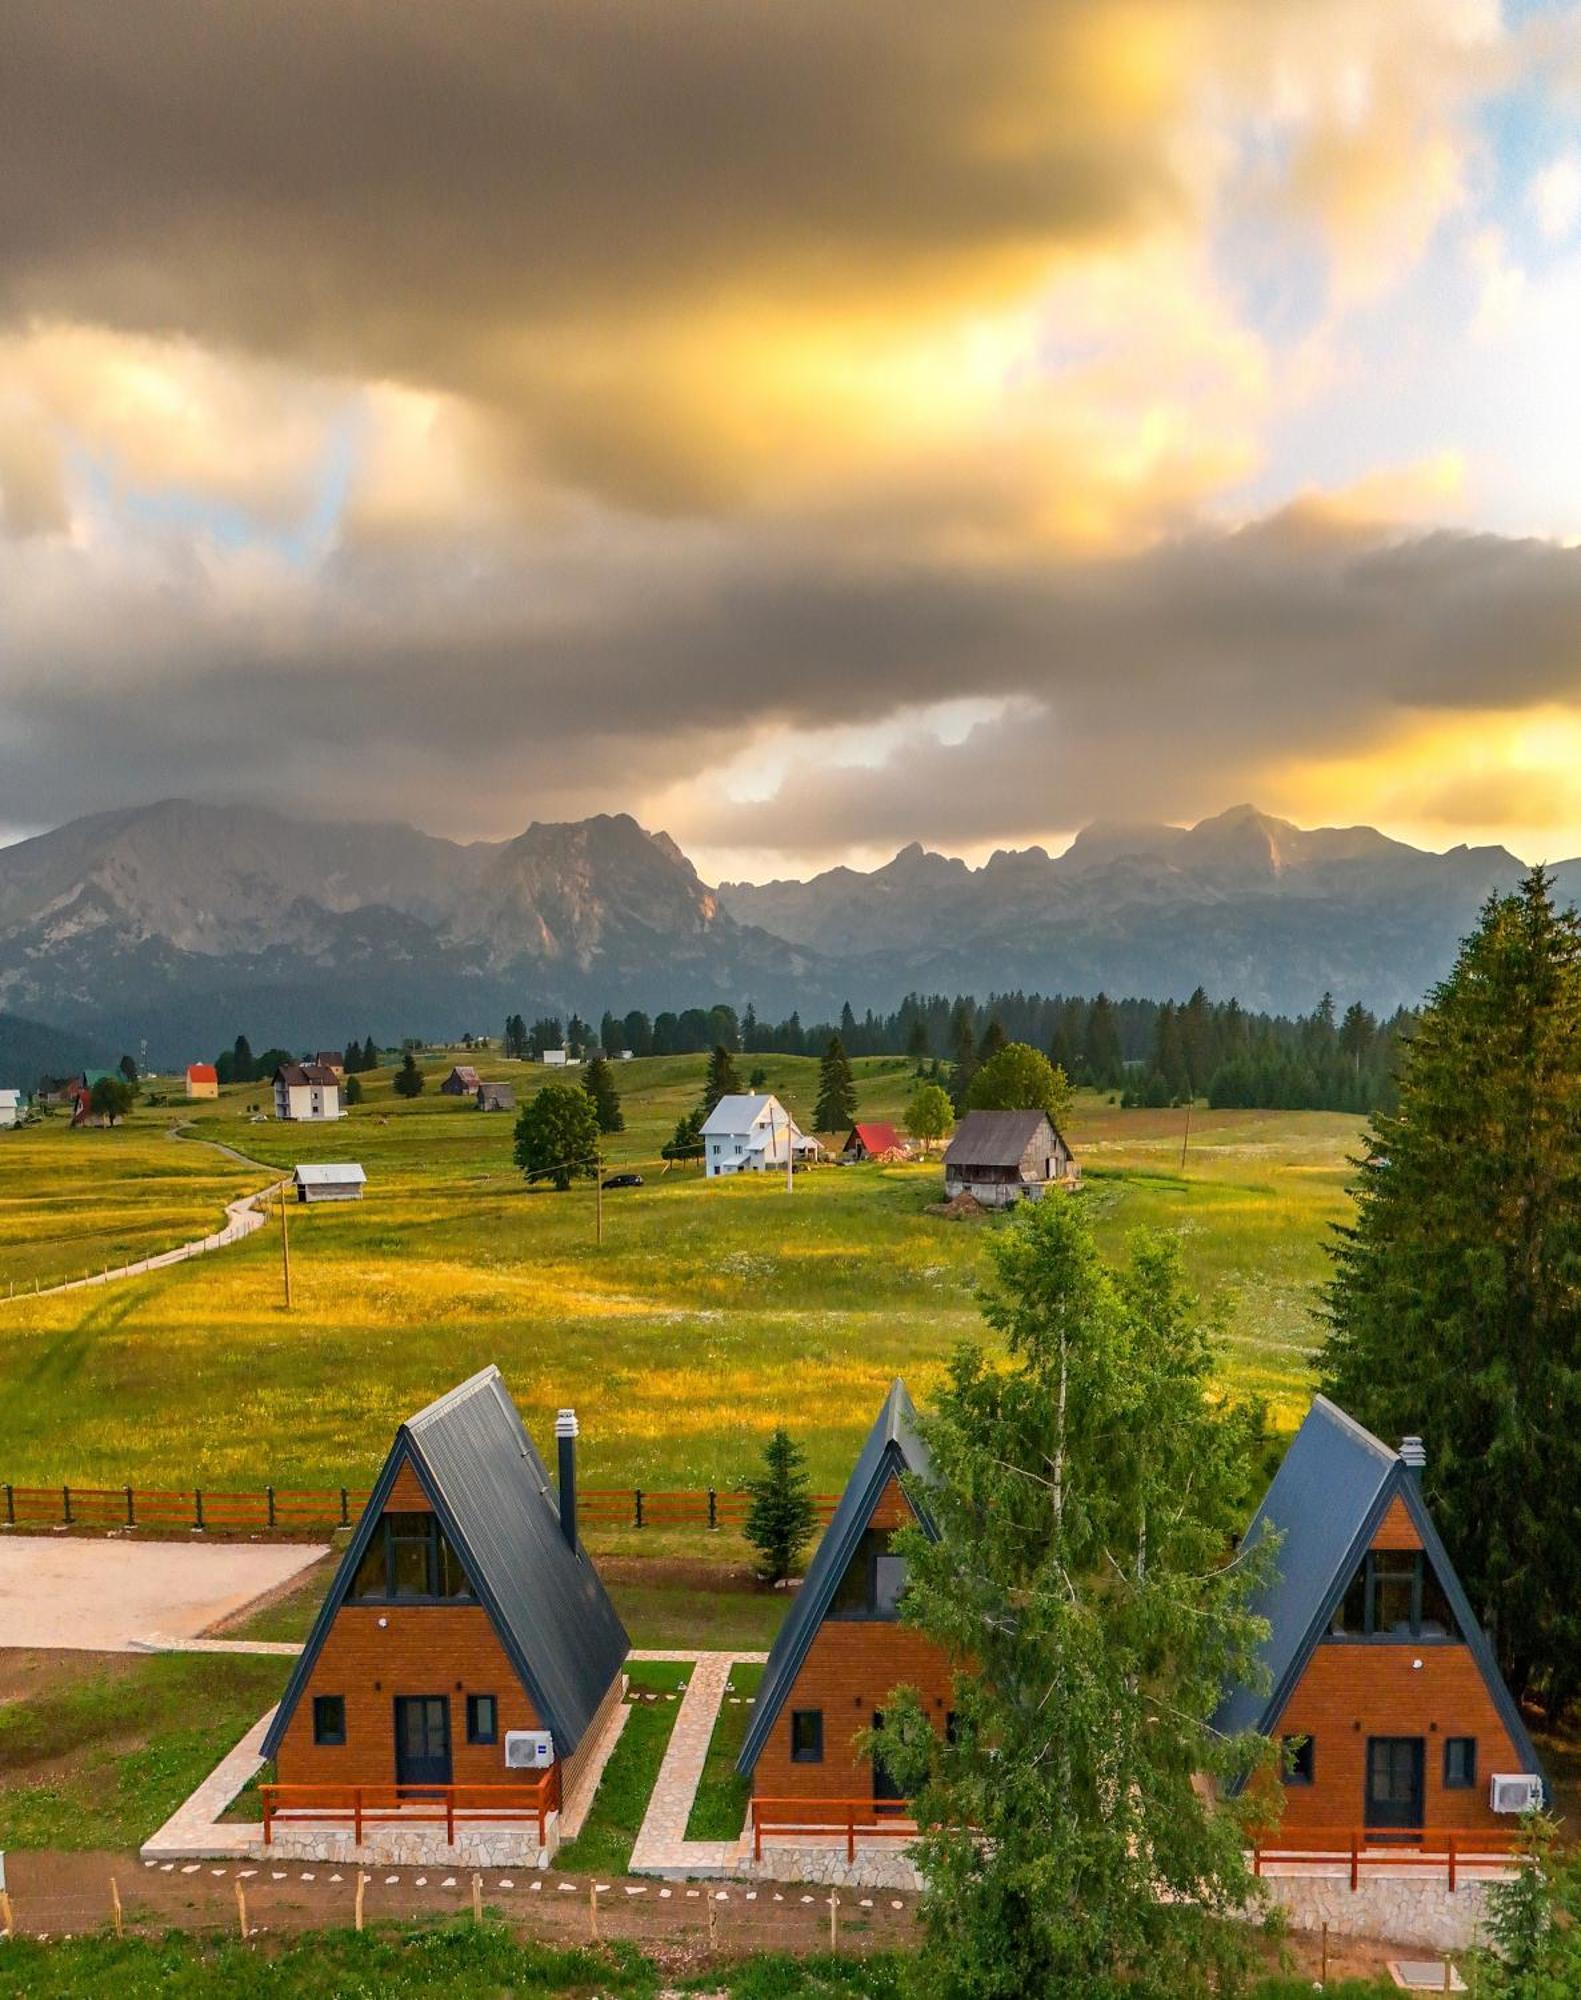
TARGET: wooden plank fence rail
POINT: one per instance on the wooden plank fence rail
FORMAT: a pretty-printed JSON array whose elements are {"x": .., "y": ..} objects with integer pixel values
[
  {"x": 410, "y": 1805},
  {"x": 282, "y": 1508},
  {"x": 797, "y": 1820},
  {"x": 1357, "y": 1849}
]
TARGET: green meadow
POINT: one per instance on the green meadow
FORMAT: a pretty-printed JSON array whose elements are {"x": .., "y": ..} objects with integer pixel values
[{"x": 710, "y": 1312}]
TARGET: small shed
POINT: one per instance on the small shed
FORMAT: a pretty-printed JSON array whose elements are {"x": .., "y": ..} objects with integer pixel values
[
  {"x": 496, "y": 1097},
  {"x": 463, "y": 1081},
  {"x": 339, "y": 1181},
  {"x": 203, "y": 1080},
  {"x": 13, "y": 1105},
  {"x": 1003, "y": 1157},
  {"x": 873, "y": 1141}
]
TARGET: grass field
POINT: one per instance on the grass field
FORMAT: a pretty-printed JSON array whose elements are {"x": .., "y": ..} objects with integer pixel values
[
  {"x": 711, "y": 1311},
  {"x": 610, "y": 1829}
]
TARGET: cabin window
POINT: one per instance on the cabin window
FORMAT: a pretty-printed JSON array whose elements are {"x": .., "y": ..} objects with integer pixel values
[
  {"x": 409, "y": 1560},
  {"x": 1394, "y": 1594},
  {"x": 1460, "y": 1763},
  {"x": 482, "y": 1719},
  {"x": 329, "y": 1720},
  {"x": 1300, "y": 1760},
  {"x": 873, "y": 1580},
  {"x": 806, "y": 1735}
]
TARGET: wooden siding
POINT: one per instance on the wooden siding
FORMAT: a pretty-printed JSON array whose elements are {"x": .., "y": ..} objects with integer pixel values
[
  {"x": 1397, "y": 1530},
  {"x": 407, "y": 1495}
]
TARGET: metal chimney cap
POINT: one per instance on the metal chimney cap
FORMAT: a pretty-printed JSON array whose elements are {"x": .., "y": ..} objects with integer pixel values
[
  {"x": 1414, "y": 1452},
  {"x": 565, "y": 1424}
]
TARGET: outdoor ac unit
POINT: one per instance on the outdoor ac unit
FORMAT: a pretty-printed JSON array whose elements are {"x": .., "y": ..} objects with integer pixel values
[
  {"x": 1516, "y": 1794},
  {"x": 529, "y": 1749}
]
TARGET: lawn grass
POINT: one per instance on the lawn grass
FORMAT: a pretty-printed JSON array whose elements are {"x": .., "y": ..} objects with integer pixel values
[
  {"x": 104, "y": 1760},
  {"x": 605, "y": 1842},
  {"x": 711, "y": 1312},
  {"x": 719, "y": 1810}
]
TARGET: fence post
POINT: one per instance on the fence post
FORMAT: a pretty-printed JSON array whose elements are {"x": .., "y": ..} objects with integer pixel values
[
  {"x": 197, "y": 1502},
  {"x": 637, "y": 1497},
  {"x": 1451, "y": 1864},
  {"x": 713, "y": 1508},
  {"x": 269, "y": 1493},
  {"x": 345, "y": 1518},
  {"x": 115, "y": 1906},
  {"x": 450, "y": 1815},
  {"x": 131, "y": 1509},
  {"x": 10, "y": 1505},
  {"x": 241, "y": 1909},
  {"x": 65, "y": 1504},
  {"x": 850, "y": 1832},
  {"x": 362, "y": 1883},
  {"x": 356, "y": 1820},
  {"x": 1355, "y": 1861},
  {"x": 268, "y": 1813},
  {"x": 477, "y": 1901}
]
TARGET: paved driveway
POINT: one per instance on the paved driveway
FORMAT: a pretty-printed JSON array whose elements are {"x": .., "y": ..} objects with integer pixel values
[{"x": 109, "y": 1596}]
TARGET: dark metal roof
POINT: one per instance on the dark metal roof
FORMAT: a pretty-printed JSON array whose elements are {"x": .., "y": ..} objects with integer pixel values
[
  {"x": 892, "y": 1447},
  {"x": 994, "y": 1138},
  {"x": 1336, "y": 1483},
  {"x": 494, "y": 1500}
]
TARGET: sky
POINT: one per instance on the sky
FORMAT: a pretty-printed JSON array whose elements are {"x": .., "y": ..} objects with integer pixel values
[{"x": 807, "y": 427}]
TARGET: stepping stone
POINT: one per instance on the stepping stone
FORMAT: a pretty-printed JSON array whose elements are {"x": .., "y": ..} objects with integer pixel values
[
  {"x": 867, "y": 1902},
  {"x": 664, "y": 1895},
  {"x": 277, "y": 1875},
  {"x": 778, "y": 1897},
  {"x": 533, "y": 1888},
  {"x": 334, "y": 1878},
  {"x": 694, "y": 1893},
  {"x": 601, "y": 1888},
  {"x": 635, "y": 1892},
  {"x": 305, "y": 1878},
  {"x": 422, "y": 1882},
  {"x": 247, "y": 1874},
  {"x": 191, "y": 1868},
  {"x": 722, "y": 1897},
  {"x": 566, "y": 1888},
  {"x": 507, "y": 1883},
  {"x": 806, "y": 1899},
  {"x": 752, "y": 1895},
  {"x": 150, "y": 1864},
  {"x": 449, "y": 1882},
  {"x": 391, "y": 1880},
  {"x": 216, "y": 1871},
  {"x": 165, "y": 1867},
  {"x": 897, "y": 1904}
]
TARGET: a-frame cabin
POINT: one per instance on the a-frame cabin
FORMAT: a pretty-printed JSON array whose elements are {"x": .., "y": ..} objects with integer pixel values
[
  {"x": 1383, "y": 1685},
  {"x": 842, "y": 1648},
  {"x": 463, "y": 1611}
]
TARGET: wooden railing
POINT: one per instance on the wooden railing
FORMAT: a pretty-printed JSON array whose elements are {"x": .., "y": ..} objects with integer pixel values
[
  {"x": 288, "y": 1509},
  {"x": 1360, "y": 1848},
  {"x": 358, "y": 1806},
  {"x": 798, "y": 1819}
]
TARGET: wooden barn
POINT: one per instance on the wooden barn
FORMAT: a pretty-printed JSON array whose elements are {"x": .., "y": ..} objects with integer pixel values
[
  {"x": 1383, "y": 1686},
  {"x": 463, "y": 1081},
  {"x": 873, "y": 1141},
  {"x": 467, "y": 1650},
  {"x": 842, "y": 1648},
  {"x": 341, "y": 1180},
  {"x": 1002, "y": 1157},
  {"x": 495, "y": 1097}
]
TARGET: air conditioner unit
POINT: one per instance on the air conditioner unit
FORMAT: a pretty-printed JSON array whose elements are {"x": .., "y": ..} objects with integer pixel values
[
  {"x": 1515, "y": 1793},
  {"x": 528, "y": 1749}
]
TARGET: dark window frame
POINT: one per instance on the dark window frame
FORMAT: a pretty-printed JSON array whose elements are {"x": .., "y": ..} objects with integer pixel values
[
  {"x": 1300, "y": 1753},
  {"x": 328, "y": 1736},
  {"x": 436, "y": 1544},
  {"x": 812, "y": 1753},
  {"x": 1468, "y": 1782},
  {"x": 873, "y": 1547},
  {"x": 1424, "y": 1578},
  {"x": 475, "y": 1731}
]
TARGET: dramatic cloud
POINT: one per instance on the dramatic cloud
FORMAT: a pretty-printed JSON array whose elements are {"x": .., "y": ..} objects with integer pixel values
[{"x": 483, "y": 412}]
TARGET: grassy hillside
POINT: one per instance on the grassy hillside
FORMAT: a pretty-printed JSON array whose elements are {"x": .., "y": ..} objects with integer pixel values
[{"x": 712, "y": 1310}]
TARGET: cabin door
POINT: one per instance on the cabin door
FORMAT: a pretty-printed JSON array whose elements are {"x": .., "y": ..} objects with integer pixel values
[
  {"x": 1394, "y": 1782},
  {"x": 885, "y": 1789},
  {"x": 422, "y": 1739}
]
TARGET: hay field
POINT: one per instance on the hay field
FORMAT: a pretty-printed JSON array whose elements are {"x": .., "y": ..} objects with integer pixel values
[{"x": 712, "y": 1310}]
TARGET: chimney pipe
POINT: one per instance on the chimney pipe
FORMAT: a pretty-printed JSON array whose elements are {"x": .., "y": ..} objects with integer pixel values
[
  {"x": 565, "y": 1436},
  {"x": 1414, "y": 1452}
]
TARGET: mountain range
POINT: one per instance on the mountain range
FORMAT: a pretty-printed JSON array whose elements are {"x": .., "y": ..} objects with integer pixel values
[{"x": 181, "y": 924}]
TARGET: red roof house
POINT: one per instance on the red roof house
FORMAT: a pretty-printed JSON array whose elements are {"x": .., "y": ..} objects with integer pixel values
[
  {"x": 203, "y": 1080},
  {"x": 871, "y": 1141}
]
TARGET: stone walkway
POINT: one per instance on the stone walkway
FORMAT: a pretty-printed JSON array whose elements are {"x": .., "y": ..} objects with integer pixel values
[
  {"x": 661, "y": 1846},
  {"x": 195, "y": 1827},
  {"x": 161, "y": 1642}
]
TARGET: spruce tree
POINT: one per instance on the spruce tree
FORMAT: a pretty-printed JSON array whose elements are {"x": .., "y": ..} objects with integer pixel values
[
  {"x": 783, "y": 1514},
  {"x": 722, "y": 1078},
  {"x": 409, "y": 1079},
  {"x": 244, "y": 1068},
  {"x": 1105, "y": 1064},
  {"x": 1455, "y": 1306},
  {"x": 994, "y": 1039},
  {"x": 836, "y": 1106},
  {"x": 598, "y": 1080}
]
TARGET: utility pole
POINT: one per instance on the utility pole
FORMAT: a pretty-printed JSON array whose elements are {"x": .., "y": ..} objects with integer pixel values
[
  {"x": 598, "y": 1180},
  {"x": 1185, "y": 1137},
  {"x": 285, "y": 1246}
]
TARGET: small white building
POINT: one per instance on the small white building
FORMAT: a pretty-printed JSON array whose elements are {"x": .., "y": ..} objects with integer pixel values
[
  {"x": 752, "y": 1135},
  {"x": 556, "y": 1058},
  {"x": 341, "y": 1181},
  {"x": 307, "y": 1092},
  {"x": 12, "y": 1106}
]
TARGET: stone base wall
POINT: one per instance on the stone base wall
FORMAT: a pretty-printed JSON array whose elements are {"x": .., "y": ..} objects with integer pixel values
[
  {"x": 1397, "y": 1910},
  {"x": 875, "y": 1867},
  {"x": 418, "y": 1846}
]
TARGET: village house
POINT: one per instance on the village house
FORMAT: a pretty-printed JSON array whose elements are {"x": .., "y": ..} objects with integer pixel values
[
  {"x": 203, "y": 1080},
  {"x": 337, "y": 1181},
  {"x": 307, "y": 1092},
  {"x": 1002, "y": 1157},
  {"x": 752, "y": 1134},
  {"x": 463, "y": 1081},
  {"x": 467, "y": 1641},
  {"x": 1382, "y": 1685},
  {"x": 556, "y": 1058},
  {"x": 842, "y": 1648},
  {"x": 495, "y": 1097},
  {"x": 871, "y": 1141},
  {"x": 13, "y": 1105},
  {"x": 334, "y": 1059}
]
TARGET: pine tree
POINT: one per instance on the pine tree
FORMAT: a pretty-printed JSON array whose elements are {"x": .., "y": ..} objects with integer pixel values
[
  {"x": 1169, "y": 1055},
  {"x": 1105, "y": 1064},
  {"x": 598, "y": 1080},
  {"x": 723, "y": 1079},
  {"x": 351, "y": 1091},
  {"x": 409, "y": 1079},
  {"x": 244, "y": 1069},
  {"x": 1454, "y": 1310},
  {"x": 836, "y": 1106},
  {"x": 1084, "y": 1492},
  {"x": 994, "y": 1039},
  {"x": 963, "y": 1051},
  {"x": 783, "y": 1515},
  {"x": 918, "y": 1043}
]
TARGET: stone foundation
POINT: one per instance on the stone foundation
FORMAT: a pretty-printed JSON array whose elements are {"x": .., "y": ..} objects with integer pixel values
[
  {"x": 393, "y": 1846},
  {"x": 876, "y": 1867},
  {"x": 1395, "y": 1908}
]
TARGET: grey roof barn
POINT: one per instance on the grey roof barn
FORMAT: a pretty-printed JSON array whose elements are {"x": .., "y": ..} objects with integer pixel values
[{"x": 1002, "y": 1156}]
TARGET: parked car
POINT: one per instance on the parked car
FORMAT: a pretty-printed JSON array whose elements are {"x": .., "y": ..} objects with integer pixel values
[{"x": 623, "y": 1180}]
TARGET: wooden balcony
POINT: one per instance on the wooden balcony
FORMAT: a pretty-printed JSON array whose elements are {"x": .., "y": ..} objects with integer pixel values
[
  {"x": 824, "y": 1820},
  {"x": 1359, "y": 1850},
  {"x": 359, "y": 1806}
]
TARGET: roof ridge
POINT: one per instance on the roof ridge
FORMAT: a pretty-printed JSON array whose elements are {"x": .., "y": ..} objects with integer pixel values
[
  {"x": 1347, "y": 1422},
  {"x": 453, "y": 1396}
]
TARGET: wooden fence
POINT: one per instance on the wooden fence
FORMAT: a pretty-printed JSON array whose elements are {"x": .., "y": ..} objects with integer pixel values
[{"x": 285, "y": 1509}]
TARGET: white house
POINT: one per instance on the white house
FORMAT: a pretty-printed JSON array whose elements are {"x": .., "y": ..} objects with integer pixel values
[
  {"x": 12, "y": 1105},
  {"x": 309, "y": 1092},
  {"x": 342, "y": 1181},
  {"x": 557, "y": 1058},
  {"x": 750, "y": 1135}
]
